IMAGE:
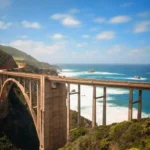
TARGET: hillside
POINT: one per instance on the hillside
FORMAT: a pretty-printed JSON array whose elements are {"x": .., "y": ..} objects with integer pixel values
[
  {"x": 127, "y": 135},
  {"x": 21, "y": 57},
  {"x": 3, "y": 57}
]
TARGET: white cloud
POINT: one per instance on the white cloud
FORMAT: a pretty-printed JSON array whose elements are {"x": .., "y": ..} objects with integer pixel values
[
  {"x": 36, "y": 47},
  {"x": 106, "y": 35},
  {"x": 126, "y": 4},
  {"x": 113, "y": 20},
  {"x": 142, "y": 26},
  {"x": 4, "y": 25},
  {"x": 57, "y": 36},
  {"x": 82, "y": 44},
  {"x": 70, "y": 22},
  {"x": 74, "y": 10},
  {"x": 99, "y": 20},
  {"x": 27, "y": 24},
  {"x": 66, "y": 19},
  {"x": 120, "y": 19},
  {"x": 85, "y": 36},
  {"x": 144, "y": 14},
  {"x": 4, "y": 3}
]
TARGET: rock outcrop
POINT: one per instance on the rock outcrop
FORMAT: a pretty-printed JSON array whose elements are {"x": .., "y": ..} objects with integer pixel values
[{"x": 7, "y": 61}]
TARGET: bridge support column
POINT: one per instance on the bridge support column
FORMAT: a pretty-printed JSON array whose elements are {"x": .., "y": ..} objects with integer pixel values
[
  {"x": 30, "y": 92},
  {"x": 53, "y": 115},
  {"x": 94, "y": 107},
  {"x": 130, "y": 105},
  {"x": 139, "y": 105},
  {"x": 104, "y": 107},
  {"x": 68, "y": 112},
  {"x": 79, "y": 107},
  {"x": 38, "y": 110}
]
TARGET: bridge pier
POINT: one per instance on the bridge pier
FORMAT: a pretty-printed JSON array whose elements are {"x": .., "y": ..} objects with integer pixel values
[
  {"x": 79, "y": 105},
  {"x": 139, "y": 115},
  {"x": 104, "y": 107},
  {"x": 53, "y": 115},
  {"x": 94, "y": 107},
  {"x": 130, "y": 104},
  {"x": 68, "y": 112}
]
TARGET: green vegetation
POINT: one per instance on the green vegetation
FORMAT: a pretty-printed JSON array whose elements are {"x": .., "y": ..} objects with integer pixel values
[
  {"x": 5, "y": 143},
  {"x": 83, "y": 121},
  {"x": 18, "y": 58},
  {"x": 127, "y": 135}
]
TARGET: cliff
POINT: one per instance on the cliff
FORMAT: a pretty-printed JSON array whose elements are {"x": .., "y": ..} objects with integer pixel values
[{"x": 7, "y": 61}]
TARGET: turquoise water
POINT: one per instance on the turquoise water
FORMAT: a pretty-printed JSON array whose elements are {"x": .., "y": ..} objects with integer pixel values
[{"x": 118, "y": 97}]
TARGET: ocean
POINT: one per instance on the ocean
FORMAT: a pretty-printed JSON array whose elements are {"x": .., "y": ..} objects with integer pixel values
[{"x": 117, "y": 99}]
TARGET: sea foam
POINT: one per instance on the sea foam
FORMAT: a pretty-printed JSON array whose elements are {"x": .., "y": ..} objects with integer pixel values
[
  {"x": 132, "y": 78},
  {"x": 70, "y": 73}
]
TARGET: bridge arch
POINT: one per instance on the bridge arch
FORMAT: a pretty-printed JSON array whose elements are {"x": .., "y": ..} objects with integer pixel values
[{"x": 5, "y": 89}]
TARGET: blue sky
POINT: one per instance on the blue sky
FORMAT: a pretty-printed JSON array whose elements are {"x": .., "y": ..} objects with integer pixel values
[{"x": 78, "y": 31}]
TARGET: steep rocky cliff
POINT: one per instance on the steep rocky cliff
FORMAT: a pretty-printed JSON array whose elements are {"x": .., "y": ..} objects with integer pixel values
[{"x": 6, "y": 61}]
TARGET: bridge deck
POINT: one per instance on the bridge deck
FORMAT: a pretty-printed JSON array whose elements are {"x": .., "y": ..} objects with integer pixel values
[
  {"x": 107, "y": 83},
  {"x": 20, "y": 74}
]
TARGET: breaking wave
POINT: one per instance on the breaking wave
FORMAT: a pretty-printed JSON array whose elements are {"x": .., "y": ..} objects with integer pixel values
[{"x": 70, "y": 73}]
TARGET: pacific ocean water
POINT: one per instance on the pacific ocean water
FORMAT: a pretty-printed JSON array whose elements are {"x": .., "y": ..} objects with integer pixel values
[{"x": 117, "y": 99}]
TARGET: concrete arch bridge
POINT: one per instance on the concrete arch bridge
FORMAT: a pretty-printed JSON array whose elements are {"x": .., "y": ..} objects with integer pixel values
[{"x": 48, "y": 101}]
